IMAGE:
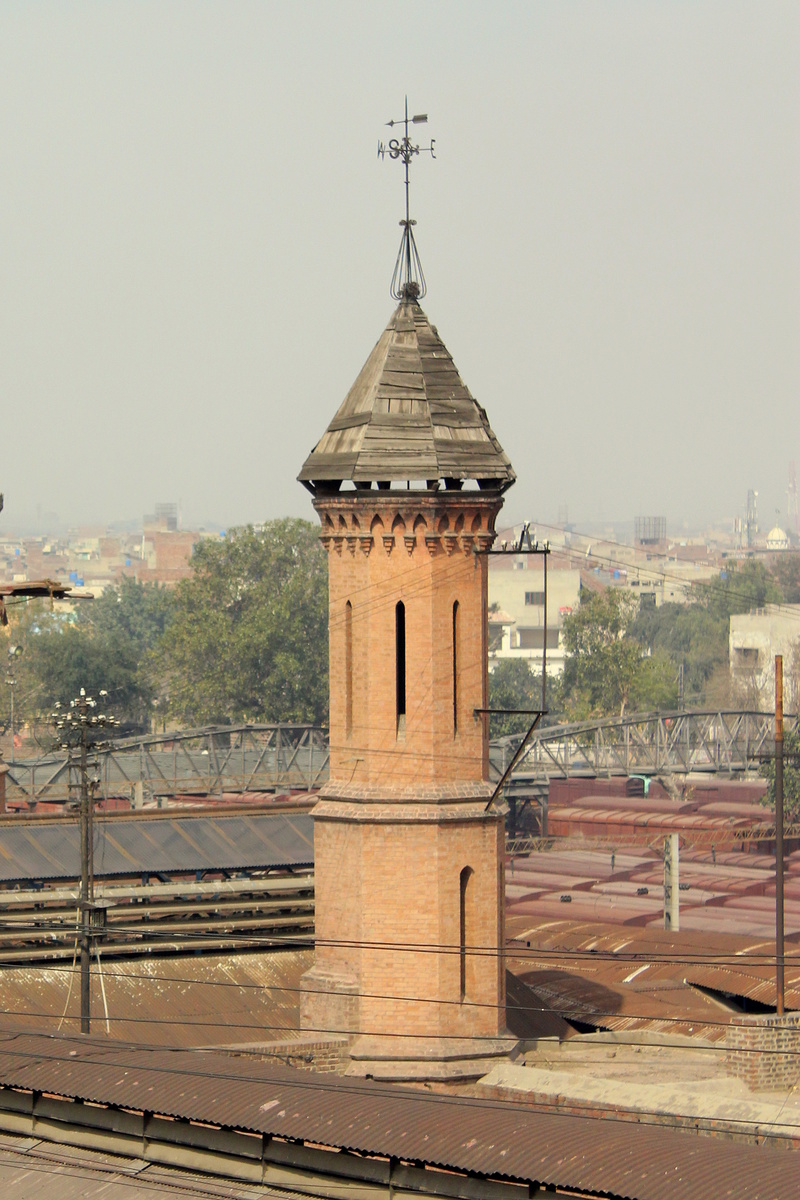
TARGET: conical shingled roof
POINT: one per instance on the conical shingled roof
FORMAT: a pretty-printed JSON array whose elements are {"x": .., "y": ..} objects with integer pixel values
[{"x": 409, "y": 416}]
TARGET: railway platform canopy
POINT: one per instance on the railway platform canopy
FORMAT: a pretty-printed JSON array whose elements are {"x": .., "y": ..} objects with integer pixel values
[
  {"x": 139, "y": 845},
  {"x": 240, "y": 1118}
]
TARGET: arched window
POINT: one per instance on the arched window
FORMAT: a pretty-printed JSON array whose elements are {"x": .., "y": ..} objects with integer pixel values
[
  {"x": 455, "y": 667},
  {"x": 464, "y": 932},
  {"x": 348, "y": 668},
  {"x": 400, "y": 663}
]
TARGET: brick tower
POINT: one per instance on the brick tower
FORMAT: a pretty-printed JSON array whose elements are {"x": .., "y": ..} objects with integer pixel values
[{"x": 407, "y": 482}]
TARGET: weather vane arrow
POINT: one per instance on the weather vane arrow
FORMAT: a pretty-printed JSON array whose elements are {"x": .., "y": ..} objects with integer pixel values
[{"x": 408, "y": 281}]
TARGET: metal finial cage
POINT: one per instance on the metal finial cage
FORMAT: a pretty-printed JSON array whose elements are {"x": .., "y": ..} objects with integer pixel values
[{"x": 408, "y": 279}]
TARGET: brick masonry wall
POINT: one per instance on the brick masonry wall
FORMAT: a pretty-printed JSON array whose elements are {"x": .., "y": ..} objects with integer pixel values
[
  {"x": 764, "y": 1051},
  {"x": 418, "y": 551},
  {"x": 324, "y": 1056},
  {"x": 404, "y": 813}
]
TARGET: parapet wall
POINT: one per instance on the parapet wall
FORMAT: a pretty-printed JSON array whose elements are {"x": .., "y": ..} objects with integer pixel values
[{"x": 764, "y": 1051}]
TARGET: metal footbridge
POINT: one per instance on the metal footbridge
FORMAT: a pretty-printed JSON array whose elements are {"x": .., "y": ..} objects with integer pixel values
[
  {"x": 726, "y": 741},
  {"x": 276, "y": 758}
]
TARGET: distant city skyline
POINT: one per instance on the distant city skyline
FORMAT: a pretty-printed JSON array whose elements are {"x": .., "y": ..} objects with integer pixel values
[
  {"x": 49, "y": 524},
  {"x": 198, "y": 240}
]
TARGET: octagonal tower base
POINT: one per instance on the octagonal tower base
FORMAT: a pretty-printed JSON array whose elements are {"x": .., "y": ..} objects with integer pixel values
[{"x": 409, "y": 956}]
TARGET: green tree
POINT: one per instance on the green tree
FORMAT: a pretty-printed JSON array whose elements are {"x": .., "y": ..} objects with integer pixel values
[
  {"x": 107, "y": 643},
  {"x": 737, "y": 589},
  {"x": 685, "y": 634},
  {"x": 133, "y": 612},
  {"x": 248, "y": 640},
  {"x": 696, "y": 634},
  {"x": 606, "y": 670},
  {"x": 786, "y": 573},
  {"x": 791, "y": 777},
  {"x": 513, "y": 684},
  {"x": 62, "y": 661}
]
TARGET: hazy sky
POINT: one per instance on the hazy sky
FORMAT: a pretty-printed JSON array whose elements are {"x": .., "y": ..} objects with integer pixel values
[{"x": 197, "y": 239}]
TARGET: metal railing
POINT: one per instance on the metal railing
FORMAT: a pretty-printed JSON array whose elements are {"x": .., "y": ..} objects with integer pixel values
[
  {"x": 204, "y": 762},
  {"x": 724, "y": 740},
  {"x": 243, "y": 758}
]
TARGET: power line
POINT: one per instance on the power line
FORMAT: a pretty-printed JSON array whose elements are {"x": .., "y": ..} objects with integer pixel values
[
  {"x": 790, "y": 610},
  {"x": 578, "y": 1010},
  {"x": 592, "y": 1112},
  {"x": 731, "y": 960}
]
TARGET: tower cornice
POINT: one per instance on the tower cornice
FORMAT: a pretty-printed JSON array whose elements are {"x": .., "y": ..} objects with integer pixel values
[{"x": 408, "y": 522}]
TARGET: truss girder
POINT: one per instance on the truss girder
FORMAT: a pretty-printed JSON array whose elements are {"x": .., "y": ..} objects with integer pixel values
[
  {"x": 726, "y": 741},
  {"x": 202, "y": 762},
  {"x": 273, "y": 757}
]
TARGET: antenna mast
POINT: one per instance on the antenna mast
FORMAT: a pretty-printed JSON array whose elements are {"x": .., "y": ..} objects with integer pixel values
[
  {"x": 408, "y": 280},
  {"x": 792, "y": 512}
]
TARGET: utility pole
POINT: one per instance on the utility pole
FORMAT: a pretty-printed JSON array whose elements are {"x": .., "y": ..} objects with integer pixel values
[
  {"x": 779, "y": 982},
  {"x": 77, "y": 729},
  {"x": 11, "y": 679},
  {"x": 671, "y": 882}
]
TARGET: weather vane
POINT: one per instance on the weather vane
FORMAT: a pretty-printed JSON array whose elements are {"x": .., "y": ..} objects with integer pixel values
[{"x": 408, "y": 281}]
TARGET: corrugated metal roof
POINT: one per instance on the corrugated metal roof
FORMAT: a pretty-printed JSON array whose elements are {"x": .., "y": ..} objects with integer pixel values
[
  {"x": 583, "y": 969},
  {"x": 31, "y": 1168},
  {"x": 475, "y": 1135},
  {"x": 169, "y": 1000},
  {"x": 409, "y": 415},
  {"x": 43, "y": 850}
]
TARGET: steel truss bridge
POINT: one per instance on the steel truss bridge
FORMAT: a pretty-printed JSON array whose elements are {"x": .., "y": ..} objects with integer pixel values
[
  {"x": 270, "y": 758},
  {"x": 196, "y": 762},
  {"x": 652, "y": 744}
]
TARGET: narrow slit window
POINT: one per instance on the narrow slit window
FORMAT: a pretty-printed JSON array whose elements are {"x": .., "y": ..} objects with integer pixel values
[
  {"x": 348, "y": 668},
  {"x": 466, "y": 875},
  {"x": 400, "y": 663},
  {"x": 455, "y": 668}
]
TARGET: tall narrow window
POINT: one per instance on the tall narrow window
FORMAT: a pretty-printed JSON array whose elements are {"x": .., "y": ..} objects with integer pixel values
[
  {"x": 466, "y": 875},
  {"x": 400, "y": 663},
  {"x": 455, "y": 667},
  {"x": 348, "y": 668}
]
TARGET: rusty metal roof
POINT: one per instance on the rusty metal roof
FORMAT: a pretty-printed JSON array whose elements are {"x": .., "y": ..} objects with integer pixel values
[
  {"x": 31, "y": 1168},
  {"x": 409, "y": 415},
  {"x": 627, "y": 977},
  {"x": 167, "y": 1000},
  {"x": 490, "y": 1138},
  {"x": 45, "y": 850}
]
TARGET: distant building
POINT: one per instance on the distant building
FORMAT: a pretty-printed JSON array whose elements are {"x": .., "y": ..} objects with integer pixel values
[
  {"x": 165, "y": 517},
  {"x": 650, "y": 532},
  {"x": 777, "y": 539},
  {"x": 516, "y": 610},
  {"x": 755, "y": 638}
]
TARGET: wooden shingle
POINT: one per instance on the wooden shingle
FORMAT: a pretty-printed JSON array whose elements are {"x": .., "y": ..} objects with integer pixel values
[{"x": 408, "y": 415}]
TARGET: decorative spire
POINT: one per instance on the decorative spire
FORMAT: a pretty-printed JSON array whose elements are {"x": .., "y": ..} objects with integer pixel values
[{"x": 408, "y": 281}]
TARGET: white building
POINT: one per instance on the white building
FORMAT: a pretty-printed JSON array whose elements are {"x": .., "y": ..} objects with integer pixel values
[
  {"x": 516, "y": 610},
  {"x": 755, "y": 638}
]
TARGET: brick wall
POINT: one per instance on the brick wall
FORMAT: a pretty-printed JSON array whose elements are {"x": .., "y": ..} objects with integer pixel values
[
  {"x": 404, "y": 813},
  {"x": 764, "y": 1051},
  {"x": 419, "y": 552},
  {"x": 326, "y": 1056}
]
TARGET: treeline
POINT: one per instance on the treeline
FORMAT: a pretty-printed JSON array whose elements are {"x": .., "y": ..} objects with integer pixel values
[
  {"x": 622, "y": 658},
  {"x": 244, "y": 639}
]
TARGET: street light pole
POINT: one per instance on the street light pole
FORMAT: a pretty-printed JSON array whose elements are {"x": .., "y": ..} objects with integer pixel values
[
  {"x": 76, "y": 727},
  {"x": 11, "y": 679},
  {"x": 86, "y": 890},
  {"x": 779, "y": 930}
]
